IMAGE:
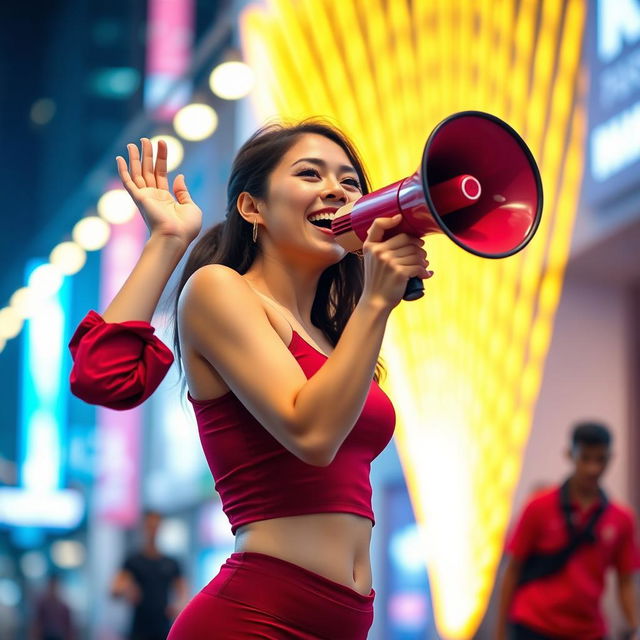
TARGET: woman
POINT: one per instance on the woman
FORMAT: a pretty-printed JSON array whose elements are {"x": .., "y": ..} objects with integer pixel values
[{"x": 278, "y": 329}]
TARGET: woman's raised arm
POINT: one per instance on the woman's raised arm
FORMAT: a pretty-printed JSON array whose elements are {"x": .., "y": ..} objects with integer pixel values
[
  {"x": 118, "y": 362},
  {"x": 172, "y": 223}
]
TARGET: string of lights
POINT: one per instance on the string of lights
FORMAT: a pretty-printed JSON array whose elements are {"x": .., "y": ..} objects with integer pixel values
[{"x": 195, "y": 122}]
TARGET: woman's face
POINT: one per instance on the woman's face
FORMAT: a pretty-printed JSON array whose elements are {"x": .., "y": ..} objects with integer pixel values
[{"x": 315, "y": 175}]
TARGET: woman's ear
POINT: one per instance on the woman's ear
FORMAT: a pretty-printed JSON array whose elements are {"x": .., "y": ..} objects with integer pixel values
[{"x": 248, "y": 207}]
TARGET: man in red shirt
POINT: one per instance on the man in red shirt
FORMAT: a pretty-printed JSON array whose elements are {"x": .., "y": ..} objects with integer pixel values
[{"x": 562, "y": 545}]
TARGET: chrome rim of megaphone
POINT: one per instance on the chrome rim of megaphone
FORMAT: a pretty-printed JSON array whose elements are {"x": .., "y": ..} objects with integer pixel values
[{"x": 534, "y": 168}]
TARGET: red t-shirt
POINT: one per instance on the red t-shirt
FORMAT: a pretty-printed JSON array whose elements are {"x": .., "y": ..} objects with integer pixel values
[{"x": 567, "y": 603}]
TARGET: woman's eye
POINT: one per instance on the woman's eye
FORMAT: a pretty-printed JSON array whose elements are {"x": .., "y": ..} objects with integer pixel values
[
  {"x": 313, "y": 173},
  {"x": 309, "y": 172}
]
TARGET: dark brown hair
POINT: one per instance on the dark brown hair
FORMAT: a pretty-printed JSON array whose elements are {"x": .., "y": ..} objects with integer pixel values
[{"x": 230, "y": 242}]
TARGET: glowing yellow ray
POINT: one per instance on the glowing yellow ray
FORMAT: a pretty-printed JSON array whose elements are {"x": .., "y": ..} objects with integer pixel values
[{"x": 465, "y": 362}]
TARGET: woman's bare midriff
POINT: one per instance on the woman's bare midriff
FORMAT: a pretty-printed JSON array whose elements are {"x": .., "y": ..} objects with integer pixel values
[{"x": 334, "y": 545}]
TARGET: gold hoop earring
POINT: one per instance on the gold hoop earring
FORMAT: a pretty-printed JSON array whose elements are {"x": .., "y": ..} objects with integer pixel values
[{"x": 255, "y": 231}]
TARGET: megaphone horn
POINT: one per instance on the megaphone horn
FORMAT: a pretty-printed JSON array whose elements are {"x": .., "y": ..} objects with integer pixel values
[{"x": 475, "y": 170}]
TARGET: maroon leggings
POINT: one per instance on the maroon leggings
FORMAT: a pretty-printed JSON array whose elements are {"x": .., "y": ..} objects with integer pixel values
[{"x": 259, "y": 597}]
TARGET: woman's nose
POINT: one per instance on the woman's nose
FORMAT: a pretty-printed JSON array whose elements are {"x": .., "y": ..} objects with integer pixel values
[{"x": 334, "y": 191}]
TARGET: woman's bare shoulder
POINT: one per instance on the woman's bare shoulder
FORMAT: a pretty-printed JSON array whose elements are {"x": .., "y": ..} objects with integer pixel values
[
  {"x": 215, "y": 272},
  {"x": 213, "y": 280}
]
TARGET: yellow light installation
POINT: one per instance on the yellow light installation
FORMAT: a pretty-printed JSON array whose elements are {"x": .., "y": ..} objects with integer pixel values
[{"x": 465, "y": 362}]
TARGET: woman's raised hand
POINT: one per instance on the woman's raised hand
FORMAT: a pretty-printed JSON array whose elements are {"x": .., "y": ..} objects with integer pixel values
[
  {"x": 149, "y": 187},
  {"x": 388, "y": 264}
]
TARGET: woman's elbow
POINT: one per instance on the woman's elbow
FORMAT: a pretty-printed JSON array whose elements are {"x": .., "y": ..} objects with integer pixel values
[
  {"x": 314, "y": 451},
  {"x": 319, "y": 459},
  {"x": 113, "y": 392}
]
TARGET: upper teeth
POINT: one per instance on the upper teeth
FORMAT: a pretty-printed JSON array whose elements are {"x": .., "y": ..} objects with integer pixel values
[{"x": 321, "y": 216}]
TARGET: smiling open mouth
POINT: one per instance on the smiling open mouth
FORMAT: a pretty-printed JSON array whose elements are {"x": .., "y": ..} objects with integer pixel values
[
  {"x": 322, "y": 220},
  {"x": 323, "y": 223}
]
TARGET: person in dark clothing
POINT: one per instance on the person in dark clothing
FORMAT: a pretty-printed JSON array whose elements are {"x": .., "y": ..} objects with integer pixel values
[
  {"x": 153, "y": 584},
  {"x": 52, "y": 616},
  {"x": 563, "y": 543}
]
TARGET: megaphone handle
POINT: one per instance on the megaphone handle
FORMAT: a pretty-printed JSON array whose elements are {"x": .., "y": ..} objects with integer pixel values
[{"x": 414, "y": 290}]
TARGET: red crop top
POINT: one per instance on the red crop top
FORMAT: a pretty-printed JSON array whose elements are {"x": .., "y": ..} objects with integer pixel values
[{"x": 257, "y": 478}]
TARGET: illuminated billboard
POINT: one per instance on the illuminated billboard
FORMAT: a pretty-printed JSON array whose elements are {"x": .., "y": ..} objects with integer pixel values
[{"x": 613, "y": 49}]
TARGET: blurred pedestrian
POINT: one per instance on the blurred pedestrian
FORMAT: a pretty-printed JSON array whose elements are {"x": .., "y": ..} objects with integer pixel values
[
  {"x": 559, "y": 552},
  {"x": 52, "y": 618},
  {"x": 152, "y": 583}
]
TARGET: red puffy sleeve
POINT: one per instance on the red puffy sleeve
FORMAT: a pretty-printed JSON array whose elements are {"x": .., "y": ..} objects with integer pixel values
[{"x": 116, "y": 364}]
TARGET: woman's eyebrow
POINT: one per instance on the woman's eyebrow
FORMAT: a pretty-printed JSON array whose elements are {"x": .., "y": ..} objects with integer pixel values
[{"x": 321, "y": 163}]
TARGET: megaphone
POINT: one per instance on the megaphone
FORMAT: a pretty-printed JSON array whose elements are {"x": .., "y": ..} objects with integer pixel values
[{"x": 478, "y": 183}]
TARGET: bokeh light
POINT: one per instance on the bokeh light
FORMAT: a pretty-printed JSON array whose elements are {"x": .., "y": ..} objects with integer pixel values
[
  {"x": 23, "y": 302},
  {"x": 195, "y": 121},
  {"x": 68, "y": 554},
  {"x": 91, "y": 233},
  {"x": 9, "y": 592},
  {"x": 232, "y": 80},
  {"x": 42, "y": 111},
  {"x": 68, "y": 257},
  {"x": 10, "y": 323},
  {"x": 34, "y": 565},
  {"x": 45, "y": 281},
  {"x": 116, "y": 206}
]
